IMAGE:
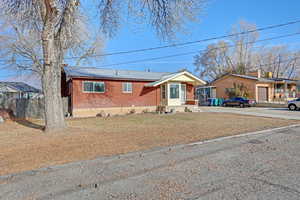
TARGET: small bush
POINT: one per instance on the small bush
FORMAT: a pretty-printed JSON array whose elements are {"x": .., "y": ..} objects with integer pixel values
[
  {"x": 146, "y": 110},
  {"x": 186, "y": 109},
  {"x": 132, "y": 111},
  {"x": 103, "y": 114},
  {"x": 7, "y": 114}
]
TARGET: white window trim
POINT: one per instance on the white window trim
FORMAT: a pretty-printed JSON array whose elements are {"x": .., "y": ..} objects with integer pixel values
[
  {"x": 181, "y": 95},
  {"x": 93, "y": 86},
  {"x": 128, "y": 92}
]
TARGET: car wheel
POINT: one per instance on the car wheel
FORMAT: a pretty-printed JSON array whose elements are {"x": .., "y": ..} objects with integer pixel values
[
  {"x": 292, "y": 107},
  {"x": 242, "y": 105},
  {"x": 224, "y": 105}
]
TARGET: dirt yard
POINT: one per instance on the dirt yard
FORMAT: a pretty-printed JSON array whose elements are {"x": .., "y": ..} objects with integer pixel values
[{"x": 23, "y": 145}]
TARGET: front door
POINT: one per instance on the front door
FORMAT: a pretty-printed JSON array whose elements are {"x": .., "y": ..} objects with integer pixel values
[{"x": 183, "y": 94}]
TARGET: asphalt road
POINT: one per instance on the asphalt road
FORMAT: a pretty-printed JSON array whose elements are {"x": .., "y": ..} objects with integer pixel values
[{"x": 264, "y": 165}]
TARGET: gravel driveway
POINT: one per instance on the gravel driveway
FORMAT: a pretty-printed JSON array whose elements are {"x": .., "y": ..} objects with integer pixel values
[{"x": 264, "y": 165}]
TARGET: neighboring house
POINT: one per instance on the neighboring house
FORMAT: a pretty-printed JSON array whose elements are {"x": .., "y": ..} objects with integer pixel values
[
  {"x": 93, "y": 90},
  {"x": 259, "y": 88},
  {"x": 18, "y": 90}
]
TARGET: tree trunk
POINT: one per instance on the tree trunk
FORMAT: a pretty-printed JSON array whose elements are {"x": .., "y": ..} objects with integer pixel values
[
  {"x": 54, "y": 117},
  {"x": 51, "y": 79}
]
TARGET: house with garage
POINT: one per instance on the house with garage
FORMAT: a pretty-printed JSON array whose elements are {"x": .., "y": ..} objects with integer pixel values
[
  {"x": 93, "y": 90},
  {"x": 261, "y": 87}
]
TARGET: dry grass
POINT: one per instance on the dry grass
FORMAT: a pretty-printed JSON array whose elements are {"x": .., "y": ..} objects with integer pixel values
[{"x": 23, "y": 148}]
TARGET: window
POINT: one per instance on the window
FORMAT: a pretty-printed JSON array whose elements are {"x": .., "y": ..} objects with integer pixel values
[
  {"x": 99, "y": 87},
  {"x": 163, "y": 91},
  {"x": 174, "y": 91},
  {"x": 279, "y": 88},
  {"x": 90, "y": 86},
  {"x": 127, "y": 87}
]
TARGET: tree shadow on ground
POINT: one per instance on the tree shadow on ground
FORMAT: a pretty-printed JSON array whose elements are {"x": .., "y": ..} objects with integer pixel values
[{"x": 29, "y": 124}]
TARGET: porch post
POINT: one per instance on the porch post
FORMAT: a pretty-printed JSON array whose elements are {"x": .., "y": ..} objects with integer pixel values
[
  {"x": 168, "y": 93},
  {"x": 285, "y": 90}
]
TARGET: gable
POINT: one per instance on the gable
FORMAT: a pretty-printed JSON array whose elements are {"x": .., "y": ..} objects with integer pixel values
[{"x": 183, "y": 78}]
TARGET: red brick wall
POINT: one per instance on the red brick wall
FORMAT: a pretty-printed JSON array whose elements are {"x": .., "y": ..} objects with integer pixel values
[
  {"x": 228, "y": 82},
  {"x": 113, "y": 96},
  {"x": 190, "y": 91}
]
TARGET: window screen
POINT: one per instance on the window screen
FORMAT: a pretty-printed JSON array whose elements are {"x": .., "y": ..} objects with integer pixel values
[
  {"x": 174, "y": 91},
  {"x": 89, "y": 86}
]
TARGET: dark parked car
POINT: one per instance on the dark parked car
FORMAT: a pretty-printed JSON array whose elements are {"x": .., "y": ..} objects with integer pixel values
[{"x": 237, "y": 101}]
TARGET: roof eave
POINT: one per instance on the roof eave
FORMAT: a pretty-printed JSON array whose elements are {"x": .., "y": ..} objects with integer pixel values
[
  {"x": 176, "y": 75},
  {"x": 110, "y": 78}
]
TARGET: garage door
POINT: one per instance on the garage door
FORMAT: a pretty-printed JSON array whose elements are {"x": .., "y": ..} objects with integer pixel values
[{"x": 262, "y": 94}]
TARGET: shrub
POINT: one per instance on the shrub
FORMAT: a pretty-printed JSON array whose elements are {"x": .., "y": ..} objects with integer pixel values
[
  {"x": 238, "y": 90},
  {"x": 146, "y": 110},
  {"x": 7, "y": 114},
  {"x": 132, "y": 111},
  {"x": 103, "y": 114}
]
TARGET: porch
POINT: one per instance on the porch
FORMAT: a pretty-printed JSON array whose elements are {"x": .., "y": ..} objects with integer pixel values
[
  {"x": 284, "y": 92},
  {"x": 177, "y": 94},
  {"x": 178, "y": 90},
  {"x": 276, "y": 92}
]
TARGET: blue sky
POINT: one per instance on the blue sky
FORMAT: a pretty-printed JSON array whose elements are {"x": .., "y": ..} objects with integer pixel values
[{"x": 217, "y": 19}]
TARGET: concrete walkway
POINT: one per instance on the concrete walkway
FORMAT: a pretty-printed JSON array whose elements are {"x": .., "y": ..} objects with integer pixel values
[
  {"x": 262, "y": 165},
  {"x": 282, "y": 113}
]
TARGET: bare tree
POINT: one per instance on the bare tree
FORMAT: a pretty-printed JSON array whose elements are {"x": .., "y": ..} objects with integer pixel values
[
  {"x": 25, "y": 49},
  {"x": 56, "y": 23},
  {"x": 243, "y": 46},
  {"x": 278, "y": 60},
  {"x": 233, "y": 55},
  {"x": 214, "y": 61},
  {"x": 240, "y": 55}
]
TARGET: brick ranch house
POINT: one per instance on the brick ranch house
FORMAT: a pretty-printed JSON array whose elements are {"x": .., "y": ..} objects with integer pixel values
[
  {"x": 92, "y": 90},
  {"x": 261, "y": 88}
]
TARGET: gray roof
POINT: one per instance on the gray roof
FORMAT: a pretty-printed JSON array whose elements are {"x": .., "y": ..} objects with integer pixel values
[
  {"x": 266, "y": 79},
  {"x": 104, "y": 73},
  {"x": 17, "y": 86},
  {"x": 245, "y": 76}
]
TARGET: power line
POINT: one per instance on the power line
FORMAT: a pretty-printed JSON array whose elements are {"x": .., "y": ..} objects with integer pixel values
[
  {"x": 196, "y": 41},
  {"x": 193, "y": 52},
  {"x": 182, "y": 44},
  {"x": 275, "y": 62}
]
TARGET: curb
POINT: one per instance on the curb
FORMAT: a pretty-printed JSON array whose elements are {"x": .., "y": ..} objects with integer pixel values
[{"x": 243, "y": 135}]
